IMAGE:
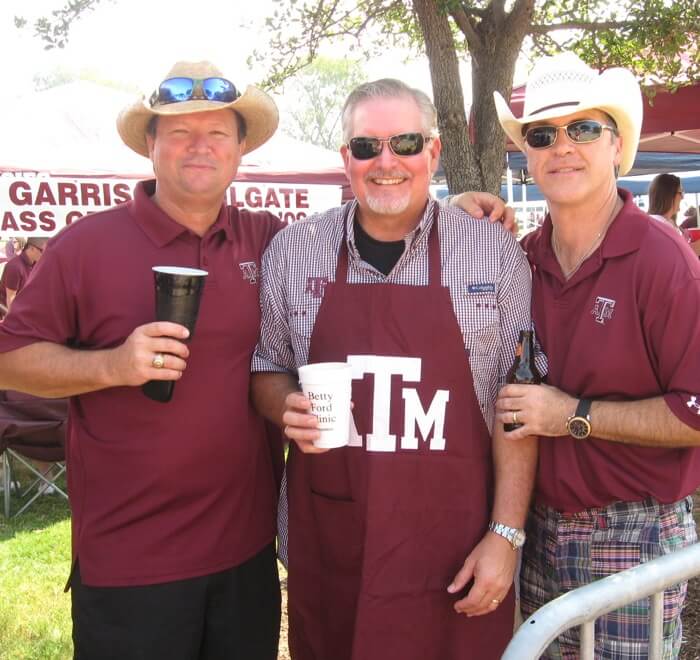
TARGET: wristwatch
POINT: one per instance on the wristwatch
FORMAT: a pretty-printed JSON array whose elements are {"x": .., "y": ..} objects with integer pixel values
[
  {"x": 579, "y": 424},
  {"x": 514, "y": 536}
]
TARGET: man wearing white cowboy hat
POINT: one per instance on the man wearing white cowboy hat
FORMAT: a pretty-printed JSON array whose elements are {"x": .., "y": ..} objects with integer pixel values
[
  {"x": 173, "y": 505},
  {"x": 619, "y": 420}
]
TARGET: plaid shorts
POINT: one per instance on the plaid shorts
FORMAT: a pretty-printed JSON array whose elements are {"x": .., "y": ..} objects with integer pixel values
[{"x": 565, "y": 551}]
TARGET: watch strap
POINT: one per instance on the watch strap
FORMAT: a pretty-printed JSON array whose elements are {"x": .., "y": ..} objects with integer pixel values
[
  {"x": 510, "y": 534},
  {"x": 583, "y": 408}
]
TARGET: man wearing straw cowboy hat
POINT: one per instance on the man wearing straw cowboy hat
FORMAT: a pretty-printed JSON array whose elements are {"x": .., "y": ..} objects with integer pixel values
[
  {"x": 619, "y": 420},
  {"x": 173, "y": 504}
]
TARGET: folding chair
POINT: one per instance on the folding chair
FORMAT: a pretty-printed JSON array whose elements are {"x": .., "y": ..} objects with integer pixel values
[{"x": 31, "y": 428}]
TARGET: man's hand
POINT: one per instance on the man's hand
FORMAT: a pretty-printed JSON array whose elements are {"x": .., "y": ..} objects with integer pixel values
[
  {"x": 132, "y": 362},
  {"x": 478, "y": 204},
  {"x": 299, "y": 424},
  {"x": 492, "y": 565},
  {"x": 541, "y": 409}
]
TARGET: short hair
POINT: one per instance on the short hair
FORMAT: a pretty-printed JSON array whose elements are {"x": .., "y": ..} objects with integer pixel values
[
  {"x": 662, "y": 192},
  {"x": 152, "y": 126},
  {"x": 37, "y": 242},
  {"x": 389, "y": 88}
]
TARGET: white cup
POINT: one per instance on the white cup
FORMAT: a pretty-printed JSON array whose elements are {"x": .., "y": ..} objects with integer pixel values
[{"x": 328, "y": 385}]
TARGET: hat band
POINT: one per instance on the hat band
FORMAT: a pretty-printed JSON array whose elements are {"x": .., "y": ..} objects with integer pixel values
[{"x": 555, "y": 105}]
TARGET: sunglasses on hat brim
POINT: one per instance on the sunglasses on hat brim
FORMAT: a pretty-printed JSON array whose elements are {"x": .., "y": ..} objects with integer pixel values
[
  {"x": 402, "y": 145},
  {"x": 581, "y": 131},
  {"x": 177, "y": 90}
]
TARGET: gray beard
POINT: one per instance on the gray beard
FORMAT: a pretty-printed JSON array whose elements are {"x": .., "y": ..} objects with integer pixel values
[{"x": 382, "y": 206}]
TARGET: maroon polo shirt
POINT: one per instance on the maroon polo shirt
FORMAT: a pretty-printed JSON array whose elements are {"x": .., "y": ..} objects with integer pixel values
[
  {"x": 14, "y": 275},
  {"x": 159, "y": 492},
  {"x": 624, "y": 327}
]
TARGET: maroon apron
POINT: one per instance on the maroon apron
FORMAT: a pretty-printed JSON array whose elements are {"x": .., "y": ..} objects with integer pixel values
[{"x": 378, "y": 531}]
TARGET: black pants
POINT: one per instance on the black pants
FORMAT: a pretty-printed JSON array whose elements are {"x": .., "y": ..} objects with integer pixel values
[{"x": 232, "y": 615}]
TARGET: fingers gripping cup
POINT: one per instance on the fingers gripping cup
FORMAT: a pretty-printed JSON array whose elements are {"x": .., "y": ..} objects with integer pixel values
[
  {"x": 328, "y": 386},
  {"x": 178, "y": 293}
]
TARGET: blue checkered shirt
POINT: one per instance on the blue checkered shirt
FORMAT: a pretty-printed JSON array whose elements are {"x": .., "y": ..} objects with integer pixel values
[{"x": 482, "y": 265}]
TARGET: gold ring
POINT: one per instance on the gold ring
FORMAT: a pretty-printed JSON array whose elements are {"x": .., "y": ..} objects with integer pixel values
[
  {"x": 158, "y": 361},
  {"x": 515, "y": 417},
  {"x": 495, "y": 601}
]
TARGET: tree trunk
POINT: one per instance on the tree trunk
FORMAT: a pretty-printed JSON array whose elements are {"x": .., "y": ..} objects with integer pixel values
[
  {"x": 458, "y": 161},
  {"x": 494, "y": 48},
  {"x": 493, "y": 67}
]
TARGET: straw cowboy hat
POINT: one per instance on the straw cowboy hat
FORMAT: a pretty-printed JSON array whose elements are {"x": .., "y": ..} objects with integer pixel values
[
  {"x": 257, "y": 109},
  {"x": 562, "y": 85}
]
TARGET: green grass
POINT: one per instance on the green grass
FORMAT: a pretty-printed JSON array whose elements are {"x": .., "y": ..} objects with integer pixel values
[{"x": 34, "y": 566}]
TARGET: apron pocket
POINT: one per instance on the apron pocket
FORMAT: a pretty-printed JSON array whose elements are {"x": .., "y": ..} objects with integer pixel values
[
  {"x": 340, "y": 532},
  {"x": 328, "y": 475}
]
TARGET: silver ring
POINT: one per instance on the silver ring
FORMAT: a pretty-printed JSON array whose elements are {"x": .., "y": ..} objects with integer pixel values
[
  {"x": 158, "y": 361},
  {"x": 515, "y": 417}
]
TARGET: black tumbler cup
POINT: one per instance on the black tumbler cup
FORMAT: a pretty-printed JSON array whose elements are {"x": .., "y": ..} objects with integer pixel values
[{"x": 178, "y": 292}]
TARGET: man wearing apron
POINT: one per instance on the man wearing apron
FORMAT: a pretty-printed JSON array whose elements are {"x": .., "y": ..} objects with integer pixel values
[{"x": 390, "y": 553}]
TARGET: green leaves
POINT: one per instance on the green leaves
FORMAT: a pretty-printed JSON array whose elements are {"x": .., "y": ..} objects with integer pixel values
[{"x": 54, "y": 30}]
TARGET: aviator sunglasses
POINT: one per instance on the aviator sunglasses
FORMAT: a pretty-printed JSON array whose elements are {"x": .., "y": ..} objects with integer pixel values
[
  {"x": 176, "y": 90},
  {"x": 580, "y": 131},
  {"x": 405, "y": 144}
]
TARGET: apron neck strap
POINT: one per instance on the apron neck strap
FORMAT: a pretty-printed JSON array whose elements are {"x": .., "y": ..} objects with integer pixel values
[{"x": 341, "y": 270}]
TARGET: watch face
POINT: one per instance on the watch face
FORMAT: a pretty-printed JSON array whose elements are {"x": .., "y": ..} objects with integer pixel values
[
  {"x": 519, "y": 538},
  {"x": 579, "y": 427}
]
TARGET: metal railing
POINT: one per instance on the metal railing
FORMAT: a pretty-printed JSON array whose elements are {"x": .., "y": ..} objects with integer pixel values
[{"x": 582, "y": 606}]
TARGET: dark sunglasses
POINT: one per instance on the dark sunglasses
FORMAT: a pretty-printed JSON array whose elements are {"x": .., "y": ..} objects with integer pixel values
[
  {"x": 580, "y": 131},
  {"x": 36, "y": 247},
  {"x": 405, "y": 144},
  {"x": 176, "y": 90}
]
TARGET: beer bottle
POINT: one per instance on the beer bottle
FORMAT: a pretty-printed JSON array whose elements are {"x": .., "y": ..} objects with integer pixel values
[{"x": 523, "y": 371}]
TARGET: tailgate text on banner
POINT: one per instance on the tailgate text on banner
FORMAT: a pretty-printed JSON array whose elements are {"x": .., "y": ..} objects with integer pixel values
[{"x": 42, "y": 206}]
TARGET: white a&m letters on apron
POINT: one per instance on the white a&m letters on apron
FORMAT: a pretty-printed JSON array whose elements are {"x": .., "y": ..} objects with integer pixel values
[{"x": 383, "y": 367}]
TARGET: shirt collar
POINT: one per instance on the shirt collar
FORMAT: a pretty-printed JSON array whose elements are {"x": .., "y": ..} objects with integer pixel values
[
  {"x": 625, "y": 235},
  {"x": 413, "y": 238},
  {"x": 160, "y": 228}
]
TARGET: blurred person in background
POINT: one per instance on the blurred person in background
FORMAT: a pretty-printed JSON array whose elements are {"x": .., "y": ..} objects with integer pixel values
[
  {"x": 665, "y": 197},
  {"x": 12, "y": 247},
  {"x": 690, "y": 218},
  {"x": 18, "y": 268}
]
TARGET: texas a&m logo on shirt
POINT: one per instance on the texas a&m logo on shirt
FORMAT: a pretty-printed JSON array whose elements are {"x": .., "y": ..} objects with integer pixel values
[
  {"x": 249, "y": 270},
  {"x": 693, "y": 404},
  {"x": 316, "y": 286},
  {"x": 603, "y": 309},
  {"x": 415, "y": 418}
]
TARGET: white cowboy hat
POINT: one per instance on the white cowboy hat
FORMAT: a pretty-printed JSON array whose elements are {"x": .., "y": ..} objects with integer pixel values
[
  {"x": 562, "y": 85},
  {"x": 255, "y": 106}
]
